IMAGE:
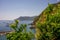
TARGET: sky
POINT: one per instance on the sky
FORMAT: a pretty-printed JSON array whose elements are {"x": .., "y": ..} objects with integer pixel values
[{"x": 12, "y": 9}]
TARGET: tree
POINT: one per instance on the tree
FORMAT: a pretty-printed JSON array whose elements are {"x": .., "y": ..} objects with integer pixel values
[{"x": 20, "y": 32}]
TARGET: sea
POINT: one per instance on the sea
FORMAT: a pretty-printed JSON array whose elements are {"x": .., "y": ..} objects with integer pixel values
[{"x": 5, "y": 27}]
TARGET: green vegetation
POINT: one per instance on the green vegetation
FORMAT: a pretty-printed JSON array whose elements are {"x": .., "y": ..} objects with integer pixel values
[
  {"x": 20, "y": 32},
  {"x": 48, "y": 25},
  {"x": 50, "y": 29}
]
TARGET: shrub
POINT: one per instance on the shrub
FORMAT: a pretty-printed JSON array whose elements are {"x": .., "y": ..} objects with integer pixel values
[{"x": 20, "y": 32}]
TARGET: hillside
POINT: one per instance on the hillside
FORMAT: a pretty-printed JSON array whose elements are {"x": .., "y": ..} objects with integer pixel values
[
  {"x": 26, "y": 18},
  {"x": 51, "y": 10},
  {"x": 47, "y": 24}
]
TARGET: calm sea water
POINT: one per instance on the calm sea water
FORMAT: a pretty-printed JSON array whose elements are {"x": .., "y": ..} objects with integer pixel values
[{"x": 3, "y": 37}]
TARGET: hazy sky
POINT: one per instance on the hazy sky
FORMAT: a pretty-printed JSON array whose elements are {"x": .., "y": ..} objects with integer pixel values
[{"x": 12, "y": 9}]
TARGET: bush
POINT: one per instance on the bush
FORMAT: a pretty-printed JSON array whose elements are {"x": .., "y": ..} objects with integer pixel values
[{"x": 20, "y": 32}]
